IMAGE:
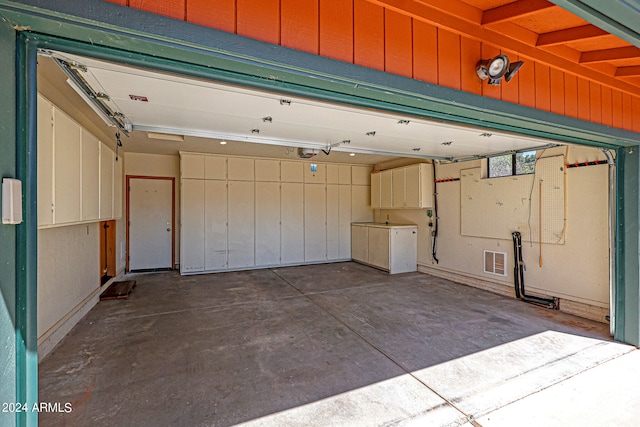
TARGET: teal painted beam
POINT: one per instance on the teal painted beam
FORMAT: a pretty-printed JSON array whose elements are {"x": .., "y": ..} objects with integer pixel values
[
  {"x": 27, "y": 232},
  {"x": 8, "y": 358},
  {"x": 627, "y": 247}
]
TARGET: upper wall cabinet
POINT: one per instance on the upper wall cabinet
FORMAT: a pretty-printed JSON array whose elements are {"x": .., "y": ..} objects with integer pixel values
[
  {"x": 76, "y": 172},
  {"x": 408, "y": 187}
]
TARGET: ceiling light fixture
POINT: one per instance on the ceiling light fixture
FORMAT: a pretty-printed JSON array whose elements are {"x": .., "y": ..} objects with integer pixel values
[
  {"x": 223, "y": 142},
  {"x": 497, "y": 68},
  {"x": 352, "y": 154}
]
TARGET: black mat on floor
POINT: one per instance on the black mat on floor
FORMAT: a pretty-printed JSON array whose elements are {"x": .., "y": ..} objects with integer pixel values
[{"x": 118, "y": 290}]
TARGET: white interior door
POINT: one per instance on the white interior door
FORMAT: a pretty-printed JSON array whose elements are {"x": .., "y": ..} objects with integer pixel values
[{"x": 151, "y": 225}]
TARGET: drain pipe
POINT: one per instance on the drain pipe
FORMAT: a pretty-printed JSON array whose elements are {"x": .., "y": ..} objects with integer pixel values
[{"x": 612, "y": 240}]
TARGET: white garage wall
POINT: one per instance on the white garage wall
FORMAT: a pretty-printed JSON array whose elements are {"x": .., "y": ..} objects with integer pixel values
[
  {"x": 577, "y": 272},
  {"x": 68, "y": 279},
  {"x": 140, "y": 164}
]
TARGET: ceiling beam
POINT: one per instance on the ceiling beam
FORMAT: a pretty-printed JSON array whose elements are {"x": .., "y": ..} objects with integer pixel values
[
  {"x": 604, "y": 55},
  {"x": 516, "y": 9},
  {"x": 568, "y": 35},
  {"x": 631, "y": 71}
]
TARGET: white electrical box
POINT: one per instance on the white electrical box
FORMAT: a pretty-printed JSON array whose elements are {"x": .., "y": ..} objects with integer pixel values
[{"x": 11, "y": 201}]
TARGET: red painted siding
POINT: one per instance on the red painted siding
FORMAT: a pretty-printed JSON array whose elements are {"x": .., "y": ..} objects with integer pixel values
[
  {"x": 425, "y": 52},
  {"x": 616, "y": 107},
  {"x": 299, "y": 25},
  {"x": 470, "y": 49},
  {"x": 584, "y": 99},
  {"x": 171, "y": 8},
  {"x": 219, "y": 14},
  {"x": 570, "y": 95},
  {"x": 448, "y": 59},
  {"x": 527, "y": 84},
  {"x": 543, "y": 87},
  {"x": 398, "y": 50},
  {"x": 336, "y": 30},
  {"x": 557, "y": 91},
  {"x": 259, "y": 19},
  {"x": 607, "y": 110},
  {"x": 368, "y": 32}
]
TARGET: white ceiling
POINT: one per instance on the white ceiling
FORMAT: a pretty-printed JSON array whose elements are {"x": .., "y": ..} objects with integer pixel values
[{"x": 208, "y": 110}]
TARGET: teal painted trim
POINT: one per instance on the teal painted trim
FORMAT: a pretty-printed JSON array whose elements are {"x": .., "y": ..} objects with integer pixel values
[
  {"x": 8, "y": 357},
  {"x": 27, "y": 232},
  {"x": 627, "y": 262},
  {"x": 217, "y": 55},
  {"x": 618, "y": 17}
]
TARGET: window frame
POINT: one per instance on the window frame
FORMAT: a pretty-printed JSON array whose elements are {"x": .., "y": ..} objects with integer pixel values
[{"x": 514, "y": 164}]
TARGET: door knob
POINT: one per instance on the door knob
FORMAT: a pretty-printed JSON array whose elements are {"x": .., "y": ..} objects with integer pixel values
[{"x": 168, "y": 229}]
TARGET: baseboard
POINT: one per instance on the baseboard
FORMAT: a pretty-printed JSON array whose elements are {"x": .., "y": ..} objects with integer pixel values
[
  {"x": 55, "y": 334},
  {"x": 577, "y": 308}
]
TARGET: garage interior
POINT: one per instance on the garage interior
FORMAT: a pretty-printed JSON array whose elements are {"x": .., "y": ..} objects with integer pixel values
[{"x": 263, "y": 190}]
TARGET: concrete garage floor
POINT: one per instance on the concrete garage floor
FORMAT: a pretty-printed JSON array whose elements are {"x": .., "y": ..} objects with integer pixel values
[{"x": 335, "y": 344}]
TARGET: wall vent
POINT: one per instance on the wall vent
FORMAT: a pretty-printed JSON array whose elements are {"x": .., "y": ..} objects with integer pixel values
[{"x": 495, "y": 263}]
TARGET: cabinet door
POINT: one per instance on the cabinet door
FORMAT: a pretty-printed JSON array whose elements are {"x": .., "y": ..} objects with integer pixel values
[
  {"x": 319, "y": 176},
  {"x": 107, "y": 159},
  {"x": 215, "y": 167},
  {"x": 315, "y": 222},
  {"x": 386, "y": 189},
  {"x": 191, "y": 166},
  {"x": 397, "y": 193},
  {"x": 379, "y": 247},
  {"x": 267, "y": 223},
  {"x": 333, "y": 222},
  {"x": 359, "y": 243},
  {"x": 344, "y": 219},
  {"x": 360, "y": 205},
  {"x": 192, "y": 225},
  {"x": 267, "y": 170},
  {"x": 426, "y": 185},
  {"x": 45, "y": 162},
  {"x": 375, "y": 190},
  {"x": 291, "y": 171},
  {"x": 292, "y": 218},
  {"x": 241, "y": 223},
  {"x": 90, "y": 177},
  {"x": 240, "y": 169},
  {"x": 412, "y": 186},
  {"x": 118, "y": 180},
  {"x": 345, "y": 175},
  {"x": 67, "y": 163},
  {"x": 333, "y": 174},
  {"x": 215, "y": 225}
]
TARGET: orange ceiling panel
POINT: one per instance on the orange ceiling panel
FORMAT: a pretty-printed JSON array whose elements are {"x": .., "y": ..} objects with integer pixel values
[{"x": 548, "y": 20}]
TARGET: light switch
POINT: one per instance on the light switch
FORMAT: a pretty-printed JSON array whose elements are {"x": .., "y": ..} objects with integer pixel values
[{"x": 11, "y": 201}]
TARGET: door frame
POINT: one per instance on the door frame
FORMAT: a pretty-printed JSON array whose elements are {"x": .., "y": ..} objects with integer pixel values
[{"x": 173, "y": 215}]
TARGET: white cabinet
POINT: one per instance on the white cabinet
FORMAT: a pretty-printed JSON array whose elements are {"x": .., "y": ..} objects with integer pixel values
[
  {"x": 333, "y": 221},
  {"x": 67, "y": 169},
  {"x": 214, "y": 167},
  {"x": 107, "y": 159},
  {"x": 315, "y": 222},
  {"x": 360, "y": 175},
  {"x": 240, "y": 169},
  {"x": 292, "y": 229},
  {"x": 386, "y": 189},
  {"x": 215, "y": 224},
  {"x": 405, "y": 187},
  {"x": 267, "y": 170},
  {"x": 291, "y": 171},
  {"x": 344, "y": 222},
  {"x": 192, "y": 228},
  {"x": 390, "y": 247},
  {"x": 315, "y": 173},
  {"x": 45, "y": 162},
  {"x": 267, "y": 222},
  {"x": 360, "y": 203},
  {"x": 77, "y": 174},
  {"x": 191, "y": 166},
  {"x": 241, "y": 223}
]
